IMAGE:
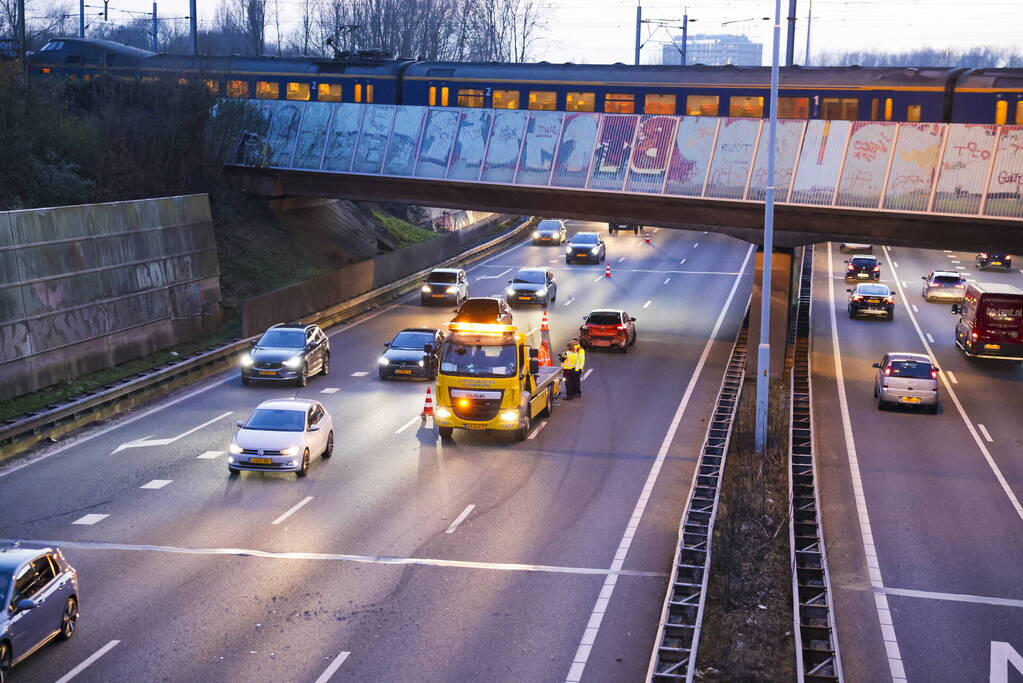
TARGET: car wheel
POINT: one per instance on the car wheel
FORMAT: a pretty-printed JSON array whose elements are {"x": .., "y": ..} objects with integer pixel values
[
  {"x": 232, "y": 473},
  {"x": 851, "y": 314},
  {"x": 891, "y": 316},
  {"x": 624, "y": 348},
  {"x": 68, "y": 620},
  {"x": 882, "y": 404},
  {"x": 382, "y": 374},
  {"x": 329, "y": 450},
  {"x": 246, "y": 381},
  {"x": 5, "y": 661},
  {"x": 304, "y": 469},
  {"x": 445, "y": 432},
  {"x": 326, "y": 365},
  {"x": 303, "y": 376},
  {"x": 933, "y": 410}
]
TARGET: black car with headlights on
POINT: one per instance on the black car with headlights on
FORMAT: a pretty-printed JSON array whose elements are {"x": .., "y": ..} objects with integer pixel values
[
  {"x": 871, "y": 298},
  {"x": 412, "y": 353},
  {"x": 614, "y": 227},
  {"x": 550, "y": 231},
  {"x": 287, "y": 353},
  {"x": 532, "y": 286},
  {"x": 443, "y": 285},
  {"x": 988, "y": 260},
  {"x": 585, "y": 246}
]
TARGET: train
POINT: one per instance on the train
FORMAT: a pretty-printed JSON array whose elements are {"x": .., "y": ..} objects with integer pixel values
[{"x": 917, "y": 94}]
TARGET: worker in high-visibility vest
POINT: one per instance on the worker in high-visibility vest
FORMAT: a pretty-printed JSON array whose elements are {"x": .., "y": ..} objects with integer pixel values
[
  {"x": 580, "y": 363},
  {"x": 568, "y": 362},
  {"x": 543, "y": 355}
]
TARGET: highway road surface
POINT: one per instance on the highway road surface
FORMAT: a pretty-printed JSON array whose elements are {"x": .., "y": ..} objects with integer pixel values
[
  {"x": 407, "y": 559},
  {"x": 922, "y": 516}
]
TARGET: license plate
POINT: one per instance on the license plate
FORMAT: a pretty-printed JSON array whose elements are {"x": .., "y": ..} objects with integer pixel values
[
  {"x": 403, "y": 372},
  {"x": 261, "y": 461},
  {"x": 996, "y": 263},
  {"x": 476, "y": 427},
  {"x": 267, "y": 372},
  {"x": 525, "y": 298},
  {"x": 861, "y": 275},
  {"x": 909, "y": 399},
  {"x": 438, "y": 296},
  {"x": 581, "y": 253},
  {"x": 873, "y": 301},
  {"x": 993, "y": 347}
]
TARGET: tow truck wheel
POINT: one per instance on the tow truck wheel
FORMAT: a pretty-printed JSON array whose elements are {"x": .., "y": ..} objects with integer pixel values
[
  {"x": 445, "y": 432},
  {"x": 522, "y": 432},
  {"x": 550, "y": 406}
]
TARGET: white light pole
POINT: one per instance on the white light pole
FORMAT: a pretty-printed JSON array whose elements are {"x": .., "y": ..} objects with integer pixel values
[{"x": 764, "y": 350}]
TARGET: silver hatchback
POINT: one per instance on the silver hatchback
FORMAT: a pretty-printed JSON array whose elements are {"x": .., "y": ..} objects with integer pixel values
[
  {"x": 944, "y": 285},
  {"x": 906, "y": 379}
]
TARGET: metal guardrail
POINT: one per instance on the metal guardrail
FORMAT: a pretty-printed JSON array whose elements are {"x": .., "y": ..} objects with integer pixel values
[
  {"x": 817, "y": 656},
  {"x": 57, "y": 419},
  {"x": 678, "y": 636}
]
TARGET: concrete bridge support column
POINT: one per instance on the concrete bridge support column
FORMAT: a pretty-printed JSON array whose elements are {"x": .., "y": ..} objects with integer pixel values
[{"x": 784, "y": 271}]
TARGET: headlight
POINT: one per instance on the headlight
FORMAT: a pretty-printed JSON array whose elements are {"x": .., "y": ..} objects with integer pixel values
[
  {"x": 247, "y": 360},
  {"x": 452, "y": 289},
  {"x": 594, "y": 250},
  {"x": 290, "y": 450},
  {"x": 542, "y": 291},
  {"x": 293, "y": 362},
  {"x": 234, "y": 448},
  {"x": 568, "y": 249},
  {"x": 510, "y": 291},
  {"x": 442, "y": 412},
  {"x": 426, "y": 288},
  {"x": 536, "y": 235},
  {"x": 510, "y": 416},
  {"x": 230, "y": 459},
  {"x": 421, "y": 364},
  {"x": 384, "y": 361}
]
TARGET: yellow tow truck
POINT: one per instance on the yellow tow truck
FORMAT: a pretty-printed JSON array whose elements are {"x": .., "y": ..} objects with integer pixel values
[{"x": 490, "y": 379}]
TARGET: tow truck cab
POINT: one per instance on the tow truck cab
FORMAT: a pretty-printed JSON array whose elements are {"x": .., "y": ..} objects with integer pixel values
[
  {"x": 490, "y": 380},
  {"x": 990, "y": 321}
]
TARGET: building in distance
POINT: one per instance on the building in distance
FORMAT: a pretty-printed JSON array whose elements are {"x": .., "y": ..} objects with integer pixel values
[{"x": 715, "y": 50}]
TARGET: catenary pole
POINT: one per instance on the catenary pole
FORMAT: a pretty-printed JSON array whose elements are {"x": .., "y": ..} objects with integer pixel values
[
  {"x": 639, "y": 22},
  {"x": 193, "y": 25},
  {"x": 790, "y": 43},
  {"x": 809, "y": 17},
  {"x": 156, "y": 44},
  {"x": 764, "y": 350},
  {"x": 81, "y": 18},
  {"x": 685, "y": 35}
]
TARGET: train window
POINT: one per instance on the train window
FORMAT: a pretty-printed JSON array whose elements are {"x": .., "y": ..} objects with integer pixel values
[
  {"x": 840, "y": 108},
  {"x": 298, "y": 91},
  {"x": 619, "y": 103},
  {"x": 1019, "y": 113},
  {"x": 1001, "y": 112},
  {"x": 445, "y": 96},
  {"x": 702, "y": 105},
  {"x": 369, "y": 92},
  {"x": 580, "y": 101},
  {"x": 433, "y": 96},
  {"x": 748, "y": 107},
  {"x": 237, "y": 89},
  {"x": 145, "y": 79},
  {"x": 182, "y": 81},
  {"x": 328, "y": 92},
  {"x": 888, "y": 106},
  {"x": 505, "y": 99},
  {"x": 546, "y": 100},
  {"x": 913, "y": 112},
  {"x": 659, "y": 104},
  {"x": 268, "y": 90},
  {"x": 793, "y": 107},
  {"x": 358, "y": 92},
  {"x": 874, "y": 103},
  {"x": 470, "y": 98},
  {"x": 212, "y": 86}
]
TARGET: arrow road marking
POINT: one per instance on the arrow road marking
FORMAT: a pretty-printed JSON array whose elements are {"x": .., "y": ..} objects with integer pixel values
[{"x": 146, "y": 441}]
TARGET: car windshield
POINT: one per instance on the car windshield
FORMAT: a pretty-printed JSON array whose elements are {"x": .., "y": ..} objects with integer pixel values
[
  {"x": 863, "y": 262},
  {"x": 873, "y": 290},
  {"x": 910, "y": 369},
  {"x": 412, "y": 340},
  {"x": 443, "y": 278},
  {"x": 584, "y": 238},
  {"x": 478, "y": 360},
  {"x": 276, "y": 420},
  {"x": 479, "y": 307},
  {"x": 948, "y": 279},
  {"x": 535, "y": 277},
  {"x": 549, "y": 225},
  {"x": 5, "y": 583},
  {"x": 283, "y": 339},
  {"x": 604, "y": 319}
]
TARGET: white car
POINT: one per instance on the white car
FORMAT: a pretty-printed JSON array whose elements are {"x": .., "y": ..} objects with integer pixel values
[{"x": 282, "y": 436}]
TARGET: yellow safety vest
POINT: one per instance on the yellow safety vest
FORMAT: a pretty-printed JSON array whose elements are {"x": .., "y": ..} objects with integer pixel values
[
  {"x": 580, "y": 359},
  {"x": 570, "y": 360}
]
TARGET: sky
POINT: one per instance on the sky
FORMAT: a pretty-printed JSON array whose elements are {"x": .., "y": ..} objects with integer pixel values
[{"x": 600, "y": 31}]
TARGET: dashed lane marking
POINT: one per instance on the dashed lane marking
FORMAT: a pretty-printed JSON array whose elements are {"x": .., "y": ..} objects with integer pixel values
[
  {"x": 696, "y": 245},
  {"x": 88, "y": 662},
  {"x": 459, "y": 519},
  {"x": 599, "y": 278},
  {"x": 340, "y": 557},
  {"x": 960, "y": 267},
  {"x": 667, "y": 280},
  {"x": 647, "y": 304},
  {"x": 209, "y": 455},
  {"x": 984, "y": 431},
  {"x": 682, "y": 262},
  {"x": 930, "y": 338},
  {"x": 570, "y": 300},
  {"x": 295, "y": 508},
  {"x": 955, "y": 597},
  {"x": 896, "y": 263},
  {"x": 621, "y": 259},
  {"x": 417, "y": 418},
  {"x": 330, "y": 390},
  {"x": 89, "y": 520},
  {"x": 951, "y": 377},
  {"x": 539, "y": 428},
  {"x": 586, "y": 374},
  {"x": 915, "y": 309},
  {"x": 334, "y": 666},
  {"x": 156, "y": 484},
  {"x": 360, "y": 373}
]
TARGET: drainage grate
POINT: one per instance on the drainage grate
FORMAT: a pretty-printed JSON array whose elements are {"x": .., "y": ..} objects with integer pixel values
[
  {"x": 678, "y": 636},
  {"x": 816, "y": 639}
]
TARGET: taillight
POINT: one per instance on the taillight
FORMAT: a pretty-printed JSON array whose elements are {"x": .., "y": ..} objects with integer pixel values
[
  {"x": 983, "y": 254},
  {"x": 934, "y": 374},
  {"x": 851, "y": 267},
  {"x": 889, "y": 300},
  {"x": 857, "y": 297},
  {"x": 877, "y": 269},
  {"x": 621, "y": 327},
  {"x": 887, "y": 371},
  {"x": 974, "y": 335}
]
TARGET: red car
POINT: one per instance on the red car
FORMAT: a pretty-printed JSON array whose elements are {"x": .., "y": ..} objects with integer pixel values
[{"x": 608, "y": 328}]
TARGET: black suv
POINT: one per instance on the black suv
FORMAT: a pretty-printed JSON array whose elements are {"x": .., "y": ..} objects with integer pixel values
[
  {"x": 989, "y": 260},
  {"x": 871, "y": 298},
  {"x": 613, "y": 227},
  {"x": 863, "y": 269},
  {"x": 480, "y": 309},
  {"x": 289, "y": 353},
  {"x": 585, "y": 246}
]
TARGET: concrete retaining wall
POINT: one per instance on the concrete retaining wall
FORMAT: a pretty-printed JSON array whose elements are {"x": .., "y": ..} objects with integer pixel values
[{"x": 83, "y": 288}]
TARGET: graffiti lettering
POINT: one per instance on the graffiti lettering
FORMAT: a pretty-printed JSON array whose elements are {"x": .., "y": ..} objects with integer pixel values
[
  {"x": 736, "y": 147},
  {"x": 1006, "y": 178},
  {"x": 861, "y": 179},
  {"x": 868, "y": 150},
  {"x": 653, "y": 145},
  {"x": 972, "y": 150},
  {"x": 909, "y": 180}
]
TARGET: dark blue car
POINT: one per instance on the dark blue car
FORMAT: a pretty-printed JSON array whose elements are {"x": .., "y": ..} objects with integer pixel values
[{"x": 39, "y": 600}]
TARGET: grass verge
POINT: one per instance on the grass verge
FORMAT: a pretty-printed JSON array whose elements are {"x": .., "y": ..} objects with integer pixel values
[{"x": 403, "y": 232}]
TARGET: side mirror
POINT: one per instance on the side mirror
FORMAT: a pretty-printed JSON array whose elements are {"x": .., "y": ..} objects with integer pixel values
[
  {"x": 845, "y": 262},
  {"x": 27, "y": 603},
  {"x": 848, "y": 290},
  {"x": 935, "y": 368},
  {"x": 632, "y": 320},
  {"x": 428, "y": 347},
  {"x": 314, "y": 428},
  {"x": 387, "y": 345},
  {"x": 455, "y": 310},
  {"x": 957, "y": 309},
  {"x": 534, "y": 366},
  {"x": 876, "y": 365},
  {"x": 240, "y": 423},
  {"x": 923, "y": 277},
  {"x": 534, "y": 353}
]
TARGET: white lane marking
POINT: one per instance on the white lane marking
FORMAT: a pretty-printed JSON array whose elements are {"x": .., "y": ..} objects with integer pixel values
[
  {"x": 330, "y": 390},
  {"x": 884, "y": 615},
  {"x": 696, "y": 245},
  {"x": 292, "y": 511},
  {"x": 905, "y": 283},
  {"x": 667, "y": 280},
  {"x": 955, "y": 260},
  {"x": 88, "y": 662},
  {"x": 360, "y": 373},
  {"x": 930, "y": 338},
  {"x": 156, "y": 484},
  {"x": 342, "y": 557},
  {"x": 599, "y": 278},
  {"x": 586, "y": 374},
  {"x": 947, "y": 251},
  {"x": 682, "y": 262},
  {"x": 553, "y": 260},
  {"x": 915, "y": 309},
  {"x": 209, "y": 455},
  {"x": 493, "y": 277},
  {"x": 334, "y": 666},
  {"x": 459, "y": 519},
  {"x": 1013, "y": 500},
  {"x": 951, "y": 377},
  {"x": 621, "y": 259},
  {"x": 582, "y": 654},
  {"x": 960, "y": 267},
  {"x": 417, "y": 418},
  {"x": 142, "y": 443},
  {"x": 570, "y": 300},
  {"x": 984, "y": 431},
  {"x": 955, "y": 597},
  {"x": 647, "y": 304},
  {"x": 539, "y": 428},
  {"x": 895, "y": 263},
  {"x": 970, "y": 280},
  {"x": 89, "y": 520}
]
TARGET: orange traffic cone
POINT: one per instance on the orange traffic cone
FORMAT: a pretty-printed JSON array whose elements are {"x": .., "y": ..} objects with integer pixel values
[
  {"x": 543, "y": 323},
  {"x": 646, "y": 237},
  {"x": 607, "y": 270},
  {"x": 428, "y": 405}
]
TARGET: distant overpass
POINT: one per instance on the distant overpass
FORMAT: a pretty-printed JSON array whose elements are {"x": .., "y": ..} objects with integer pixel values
[{"x": 934, "y": 184}]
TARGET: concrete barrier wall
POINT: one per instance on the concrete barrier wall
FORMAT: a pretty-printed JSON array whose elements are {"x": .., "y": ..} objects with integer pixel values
[
  {"x": 329, "y": 289},
  {"x": 83, "y": 288}
]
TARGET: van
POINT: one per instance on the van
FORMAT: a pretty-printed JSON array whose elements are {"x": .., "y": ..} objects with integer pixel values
[{"x": 990, "y": 321}]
